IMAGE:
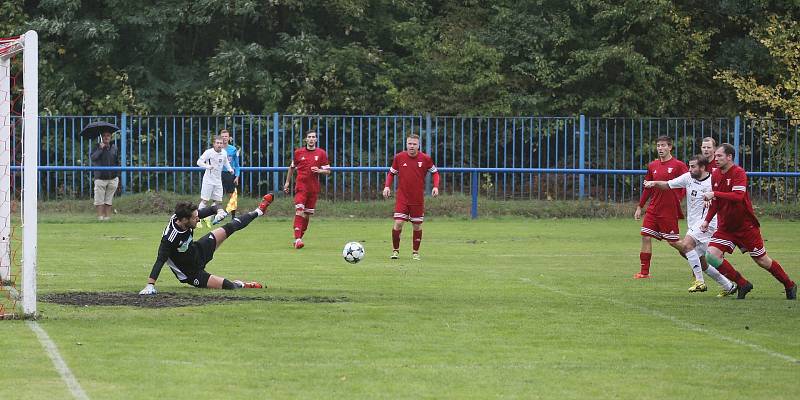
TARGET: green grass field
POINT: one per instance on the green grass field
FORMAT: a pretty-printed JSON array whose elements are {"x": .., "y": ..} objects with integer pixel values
[{"x": 497, "y": 308}]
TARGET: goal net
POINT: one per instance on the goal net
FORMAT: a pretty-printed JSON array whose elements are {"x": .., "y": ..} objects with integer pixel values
[{"x": 19, "y": 151}]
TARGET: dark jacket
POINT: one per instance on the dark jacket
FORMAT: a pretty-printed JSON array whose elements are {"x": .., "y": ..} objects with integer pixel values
[{"x": 105, "y": 158}]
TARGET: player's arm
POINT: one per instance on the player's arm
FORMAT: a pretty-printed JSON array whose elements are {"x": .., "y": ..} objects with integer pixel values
[
  {"x": 161, "y": 258},
  {"x": 237, "y": 166},
  {"x": 387, "y": 185},
  {"x": 646, "y": 192},
  {"x": 228, "y": 166},
  {"x": 662, "y": 185},
  {"x": 207, "y": 211},
  {"x": 738, "y": 188},
  {"x": 435, "y": 175},
  {"x": 289, "y": 173},
  {"x": 203, "y": 161},
  {"x": 324, "y": 170}
]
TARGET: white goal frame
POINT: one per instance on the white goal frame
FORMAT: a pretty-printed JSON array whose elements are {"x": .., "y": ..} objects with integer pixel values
[{"x": 28, "y": 44}]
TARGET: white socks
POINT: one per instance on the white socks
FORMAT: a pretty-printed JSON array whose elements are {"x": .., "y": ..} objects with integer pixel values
[{"x": 694, "y": 262}]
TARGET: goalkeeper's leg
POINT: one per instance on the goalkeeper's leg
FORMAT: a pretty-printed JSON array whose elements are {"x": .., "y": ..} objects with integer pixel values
[{"x": 240, "y": 222}]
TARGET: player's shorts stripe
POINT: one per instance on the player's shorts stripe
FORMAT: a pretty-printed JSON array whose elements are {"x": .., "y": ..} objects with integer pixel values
[
  {"x": 309, "y": 210},
  {"x": 739, "y": 188},
  {"x": 726, "y": 243},
  {"x": 758, "y": 252},
  {"x": 670, "y": 236},
  {"x": 416, "y": 219},
  {"x": 300, "y": 206},
  {"x": 400, "y": 215},
  {"x": 651, "y": 232}
]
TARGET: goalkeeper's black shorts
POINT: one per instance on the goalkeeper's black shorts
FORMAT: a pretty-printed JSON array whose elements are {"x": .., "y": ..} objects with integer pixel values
[
  {"x": 196, "y": 275},
  {"x": 227, "y": 182}
]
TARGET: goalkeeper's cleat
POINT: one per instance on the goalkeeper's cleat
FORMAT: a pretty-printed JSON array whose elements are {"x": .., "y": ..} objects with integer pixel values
[
  {"x": 395, "y": 255},
  {"x": 252, "y": 285},
  {"x": 415, "y": 256},
  {"x": 698, "y": 286},
  {"x": 221, "y": 214},
  {"x": 265, "y": 202},
  {"x": 791, "y": 293},
  {"x": 298, "y": 243},
  {"x": 640, "y": 275},
  {"x": 744, "y": 290},
  {"x": 726, "y": 293}
]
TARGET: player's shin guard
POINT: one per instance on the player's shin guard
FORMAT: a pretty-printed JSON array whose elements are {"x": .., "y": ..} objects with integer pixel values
[
  {"x": 644, "y": 260},
  {"x": 298, "y": 226},
  {"x": 777, "y": 271},
  {"x": 417, "y": 235},
  {"x": 395, "y": 239},
  {"x": 239, "y": 222},
  {"x": 694, "y": 263}
]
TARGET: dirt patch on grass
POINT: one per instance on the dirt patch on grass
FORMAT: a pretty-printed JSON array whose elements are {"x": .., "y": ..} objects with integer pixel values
[{"x": 171, "y": 299}]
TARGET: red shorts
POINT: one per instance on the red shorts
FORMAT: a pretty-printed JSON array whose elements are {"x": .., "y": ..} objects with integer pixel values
[
  {"x": 746, "y": 240},
  {"x": 305, "y": 201},
  {"x": 661, "y": 228},
  {"x": 405, "y": 212}
]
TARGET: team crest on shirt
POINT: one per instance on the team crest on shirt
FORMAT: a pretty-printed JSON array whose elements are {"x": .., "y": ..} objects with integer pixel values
[
  {"x": 419, "y": 163},
  {"x": 303, "y": 157},
  {"x": 729, "y": 181},
  {"x": 669, "y": 170},
  {"x": 316, "y": 158}
]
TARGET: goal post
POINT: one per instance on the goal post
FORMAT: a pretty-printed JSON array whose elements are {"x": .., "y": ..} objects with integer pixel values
[{"x": 19, "y": 154}]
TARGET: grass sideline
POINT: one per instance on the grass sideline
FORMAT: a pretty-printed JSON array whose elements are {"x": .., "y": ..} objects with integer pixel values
[
  {"x": 456, "y": 206},
  {"x": 497, "y": 308}
]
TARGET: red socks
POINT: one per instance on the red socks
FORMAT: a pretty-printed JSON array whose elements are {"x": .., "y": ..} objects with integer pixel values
[
  {"x": 395, "y": 239},
  {"x": 298, "y": 226},
  {"x": 644, "y": 259},
  {"x": 731, "y": 273},
  {"x": 305, "y": 224},
  {"x": 777, "y": 271},
  {"x": 417, "y": 240}
]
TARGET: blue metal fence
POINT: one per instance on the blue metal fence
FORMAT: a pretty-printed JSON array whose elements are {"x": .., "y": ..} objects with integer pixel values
[{"x": 511, "y": 157}]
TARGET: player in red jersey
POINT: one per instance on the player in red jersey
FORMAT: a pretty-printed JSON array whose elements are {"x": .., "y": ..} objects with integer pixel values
[
  {"x": 411, "y": 167},
  {"x": 738, "y": 225},
  {"x": 707, "y": 148},
  {"x": 310, "y": 161},
  {"x": 661, "y": 219}
]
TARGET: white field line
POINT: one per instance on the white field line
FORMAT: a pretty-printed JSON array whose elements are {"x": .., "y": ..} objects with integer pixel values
[
  {"x": 681, "y": 323},
  {"x": 58, "y": 362}
]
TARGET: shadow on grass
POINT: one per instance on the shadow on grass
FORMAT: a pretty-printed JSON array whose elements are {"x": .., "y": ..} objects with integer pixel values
[{"x": 161, "y": 300}]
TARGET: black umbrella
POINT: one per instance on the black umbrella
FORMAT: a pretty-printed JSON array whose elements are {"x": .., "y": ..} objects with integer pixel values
[{"x": 95, "y": 129}]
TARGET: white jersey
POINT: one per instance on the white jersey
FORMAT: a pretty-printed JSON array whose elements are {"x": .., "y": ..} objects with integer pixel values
[
  {"x": 695, "y": 206},
  {"x": 217, "y": 161}
]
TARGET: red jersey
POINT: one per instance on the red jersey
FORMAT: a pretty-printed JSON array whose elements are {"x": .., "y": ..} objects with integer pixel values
[
  {"x": 411, "y": 171},
  {"x": 732, "y": 203},
  {"x": 303, "y": 160},
  {"x": 665, "y": 203}
]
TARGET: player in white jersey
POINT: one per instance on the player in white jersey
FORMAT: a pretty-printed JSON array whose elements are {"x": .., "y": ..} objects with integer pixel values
[
  {"x": 697, "y": 182},
  {"x": 213, "y": 160}
]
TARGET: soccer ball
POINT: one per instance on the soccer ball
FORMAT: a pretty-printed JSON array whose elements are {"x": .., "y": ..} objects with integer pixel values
[{"x": 353, "y": 252}]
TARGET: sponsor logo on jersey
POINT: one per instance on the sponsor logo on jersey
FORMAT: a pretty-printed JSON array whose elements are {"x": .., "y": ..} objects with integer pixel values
[
  {"x": 694, "y": 193},
  {"x": 405, "y": 165}
]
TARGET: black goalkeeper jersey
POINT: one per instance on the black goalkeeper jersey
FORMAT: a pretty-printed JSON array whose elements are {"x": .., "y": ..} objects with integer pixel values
[{"x": 178, "y": 248}]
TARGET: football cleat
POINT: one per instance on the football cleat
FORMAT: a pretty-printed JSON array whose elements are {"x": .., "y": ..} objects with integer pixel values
[
  {"x": 726, "y": 293},
  {"x": 395, "y": 255},
  {"x": 791, "y": 293},
  {"x": 698, "y": 286},
  {"x": 252, "y": 285},
  {"x": 266, "y": 202},
  {"x": 640, "y": 275},
  {"x": 744, "y": 290},
  {"x": 298, "y": 243},
  {"x": 415, "y": 256}
]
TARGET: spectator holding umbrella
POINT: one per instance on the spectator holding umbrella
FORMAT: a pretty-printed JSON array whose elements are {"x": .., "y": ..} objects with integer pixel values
[{"x": 105, "y": 154}]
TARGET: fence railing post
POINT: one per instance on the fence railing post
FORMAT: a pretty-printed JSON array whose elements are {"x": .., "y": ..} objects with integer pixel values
[
  {"x": 736, "y": 131},
  {"x": 123, "y": 159},
  {"x": 582, "y": 146},
  {"x": 275, "y": 185},
  {"x": 474, "y": 192}
]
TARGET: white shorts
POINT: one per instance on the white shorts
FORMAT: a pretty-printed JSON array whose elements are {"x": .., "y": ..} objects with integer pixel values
[
  {"x": 701, "y": 239},
  {"x": 211, "y": 191}
]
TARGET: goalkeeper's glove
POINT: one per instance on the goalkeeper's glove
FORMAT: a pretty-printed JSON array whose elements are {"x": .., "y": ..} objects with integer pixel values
[
  {"x": 150, "y": 289},
  {"x": 221, "y": 214}
]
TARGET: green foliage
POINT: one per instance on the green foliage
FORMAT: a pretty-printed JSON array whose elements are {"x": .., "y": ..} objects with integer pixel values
[{"x": 597, "y": 57}]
